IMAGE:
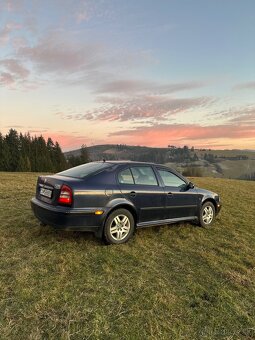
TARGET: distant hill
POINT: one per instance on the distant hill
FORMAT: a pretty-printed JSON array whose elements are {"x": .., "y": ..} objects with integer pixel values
[{"x": 217, "y": 163}]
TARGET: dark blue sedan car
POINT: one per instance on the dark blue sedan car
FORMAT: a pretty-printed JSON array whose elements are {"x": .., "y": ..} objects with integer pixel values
[{"x": 112, "y": 199}]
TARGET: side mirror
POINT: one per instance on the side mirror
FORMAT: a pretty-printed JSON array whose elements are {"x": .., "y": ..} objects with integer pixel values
[{"x": 191, "y": 185}]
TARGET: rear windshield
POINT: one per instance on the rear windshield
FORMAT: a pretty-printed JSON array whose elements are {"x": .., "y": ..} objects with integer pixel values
[{"x": 83, "y": 170}]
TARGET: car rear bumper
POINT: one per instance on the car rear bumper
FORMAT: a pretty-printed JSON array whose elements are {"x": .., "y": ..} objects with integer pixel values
[{"x": 67, "y": 218}]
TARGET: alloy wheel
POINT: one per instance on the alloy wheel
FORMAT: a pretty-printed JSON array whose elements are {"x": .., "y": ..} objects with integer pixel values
[
  {"x": 120, "y": 227},
  {"x": 207, "y": 214}
]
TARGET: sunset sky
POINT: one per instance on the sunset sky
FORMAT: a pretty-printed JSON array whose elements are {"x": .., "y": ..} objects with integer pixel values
[{"x": 139, "y": 72}]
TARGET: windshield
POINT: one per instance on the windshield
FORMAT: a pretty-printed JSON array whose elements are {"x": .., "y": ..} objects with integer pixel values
[{"x": 84, "y": 170}]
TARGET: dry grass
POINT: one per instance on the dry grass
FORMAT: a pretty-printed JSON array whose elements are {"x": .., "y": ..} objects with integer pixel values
[{"x": 175, "y": 282}]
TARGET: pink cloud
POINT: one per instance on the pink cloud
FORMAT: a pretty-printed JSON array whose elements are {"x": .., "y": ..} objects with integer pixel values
[
  {"x": 82, "y": 16},
  {"x": 12, "y": 5},
  {"x": 7, "y": 30},
  {"x": 244, "y": 119},
  {"x": 141, "y": 107},
  {"x": 88, "y": 9},
  {"x": 245, "y": 86},
  {"x": 6, "y": 79},
  {"x": 163, "y": 134},
  {"x": 127, "y": 86},
  {"x": 242, "y": 115},
  {"x": 13, "y": 74},
  {"x": 59, "y": 53},
  {"x": 15, "y": 67}
]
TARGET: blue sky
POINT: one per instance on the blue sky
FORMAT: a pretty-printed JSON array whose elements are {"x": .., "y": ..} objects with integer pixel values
[{"x": 135, "y": 72}]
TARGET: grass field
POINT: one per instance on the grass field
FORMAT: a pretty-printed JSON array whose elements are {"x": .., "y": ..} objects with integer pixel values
[{"x": 175, "y": 282}]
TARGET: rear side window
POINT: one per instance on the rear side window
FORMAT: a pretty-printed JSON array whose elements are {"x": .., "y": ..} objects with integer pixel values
[
  {"x": 170, "y": 179},
  {"x": 84, "y": 170},
  {"x": 125, "y": 177},
  {"x": 144, "y": 175}
]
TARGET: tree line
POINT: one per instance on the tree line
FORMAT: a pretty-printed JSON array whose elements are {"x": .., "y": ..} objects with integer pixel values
[{"x": 22, "y": 152}]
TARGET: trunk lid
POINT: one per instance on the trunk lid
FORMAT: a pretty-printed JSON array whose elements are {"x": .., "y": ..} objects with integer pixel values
[{"x": 48, "y": 187}]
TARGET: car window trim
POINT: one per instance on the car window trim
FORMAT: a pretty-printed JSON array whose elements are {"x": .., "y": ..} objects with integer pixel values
[
  {"x": 123, "y": 169},
  {"x": 137, "y": 165},
  {"x": 147, "y": 166},
  {"x": 172, "y": 172}
]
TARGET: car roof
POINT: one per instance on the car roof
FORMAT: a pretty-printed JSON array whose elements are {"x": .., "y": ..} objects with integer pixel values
[
  {"x": 128, "y": 162},
  {"x": 123, "y": 162}
]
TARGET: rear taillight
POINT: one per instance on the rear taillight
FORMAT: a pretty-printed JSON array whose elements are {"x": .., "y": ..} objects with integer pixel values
[{"x": 66, "y": 195}]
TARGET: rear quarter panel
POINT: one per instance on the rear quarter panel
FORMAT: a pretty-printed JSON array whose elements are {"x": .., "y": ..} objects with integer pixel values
[{"x": 96, "y": 190}]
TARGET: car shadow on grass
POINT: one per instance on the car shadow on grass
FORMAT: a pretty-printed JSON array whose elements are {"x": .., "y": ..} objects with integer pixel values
[{"x": 61, "y": 235}]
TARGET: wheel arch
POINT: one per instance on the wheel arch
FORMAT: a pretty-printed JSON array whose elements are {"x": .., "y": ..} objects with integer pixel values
[
  {"x": 209, "y": 199},
  {"x": 123, "y": 205}
]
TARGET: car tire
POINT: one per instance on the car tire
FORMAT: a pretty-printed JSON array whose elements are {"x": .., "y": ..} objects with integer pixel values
[
  {"x": 207, "y": 214},
  {"x": 119, "y": 227}
]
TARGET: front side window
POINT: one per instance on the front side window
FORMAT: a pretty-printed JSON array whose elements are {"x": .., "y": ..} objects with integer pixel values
[
  {"x": 170, "y": 179},
  {"x": 144, "y": 175},
  {"x": 125, "y": 177}
]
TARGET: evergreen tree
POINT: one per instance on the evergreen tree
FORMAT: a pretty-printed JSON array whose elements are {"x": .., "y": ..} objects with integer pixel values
[
  {"x": 4, "y": 155},
  {"x": 24, "y": 164},
  {"x": 33, "y": 155},
  {"x": 13, "y": 143},
  {"x": 20, "y": 152},
  {"x": 25, "y": 146},
  {"x": 81, "y": 159},
  {"x": 59, "y": 159},
  {"x": 43, "y": 156},
  {"x": 73, "y": 161},
  {"x": 51, "y": 150},
  {"x": 1, "y": 151}
]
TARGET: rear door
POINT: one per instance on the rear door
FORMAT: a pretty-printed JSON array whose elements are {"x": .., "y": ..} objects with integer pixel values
[
  {"x": 139, "y": 185},
  {"x": 179, "y": 200}
]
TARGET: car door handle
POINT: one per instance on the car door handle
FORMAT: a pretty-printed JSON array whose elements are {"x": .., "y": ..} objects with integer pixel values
[
  {"x": 132, "y": 193},
  {"x": 169, "y": 194}
]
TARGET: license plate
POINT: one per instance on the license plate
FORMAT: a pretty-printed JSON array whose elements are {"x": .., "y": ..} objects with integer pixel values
[{"x": 46, "y": 192}]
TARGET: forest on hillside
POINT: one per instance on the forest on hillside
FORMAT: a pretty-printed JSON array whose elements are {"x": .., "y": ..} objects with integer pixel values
[
  {"x": 22, "y": 152},
  {"x": 239, "y": 164}
]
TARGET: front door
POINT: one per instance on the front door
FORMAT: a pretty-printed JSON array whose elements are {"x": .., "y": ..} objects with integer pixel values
[{"x": 180, "y": 202}]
